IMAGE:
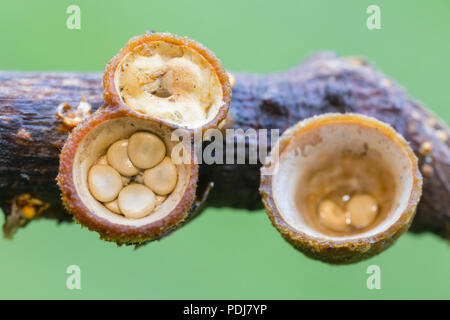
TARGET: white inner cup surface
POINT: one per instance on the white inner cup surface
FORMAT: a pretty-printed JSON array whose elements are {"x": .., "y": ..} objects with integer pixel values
[
  {"x": 312, "y": 150},
  {"x": 169, "y": 82}
]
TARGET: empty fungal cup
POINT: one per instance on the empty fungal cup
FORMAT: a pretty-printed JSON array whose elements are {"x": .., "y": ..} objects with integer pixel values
[{"x": 170, "y": 78}]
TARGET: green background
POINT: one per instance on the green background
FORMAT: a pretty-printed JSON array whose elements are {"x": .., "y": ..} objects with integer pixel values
[{"x": 226, "y": 253}]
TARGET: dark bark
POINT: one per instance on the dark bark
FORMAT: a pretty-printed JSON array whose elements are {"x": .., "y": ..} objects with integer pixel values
[{"x": 323, "y": 83}]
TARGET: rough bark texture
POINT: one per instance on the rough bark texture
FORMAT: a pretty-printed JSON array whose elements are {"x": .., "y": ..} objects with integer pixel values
[{"x": 31, "y": 135}]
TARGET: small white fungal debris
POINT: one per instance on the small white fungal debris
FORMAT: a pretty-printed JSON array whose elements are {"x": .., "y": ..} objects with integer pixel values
[
  {"x": 24, "y": 134},
  {"x": 427, "y": 170},
  {"x": 386, "y": 82},
  {"x": 442, "y": 135},
  {"x": 415, "y": 115},
  {"x": 71, "y": 118},
  {"x": 431, "y": 121},
  {"x": 426, "y": 148},
  {"x": 231, "y": 79}
]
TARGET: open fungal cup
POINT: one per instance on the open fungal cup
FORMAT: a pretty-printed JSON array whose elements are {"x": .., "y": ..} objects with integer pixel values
[
  {"x": 118, "y": 177},
  {"x": 342, "y": 188},
  {"x": 170, "y": 78}
]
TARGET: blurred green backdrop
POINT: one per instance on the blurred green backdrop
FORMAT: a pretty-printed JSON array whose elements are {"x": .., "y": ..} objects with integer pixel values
[{"x": 226, "y": 253}]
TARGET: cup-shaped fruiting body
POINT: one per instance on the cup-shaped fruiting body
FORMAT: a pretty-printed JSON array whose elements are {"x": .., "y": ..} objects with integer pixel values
[
  {"x": 102, "y": 166},
  {"x": 341, "y": 187},
  {"x": 173, "y": 79}
]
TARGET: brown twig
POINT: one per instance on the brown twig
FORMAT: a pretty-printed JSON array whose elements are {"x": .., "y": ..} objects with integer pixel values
[{"x": 31, "y": 134}]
